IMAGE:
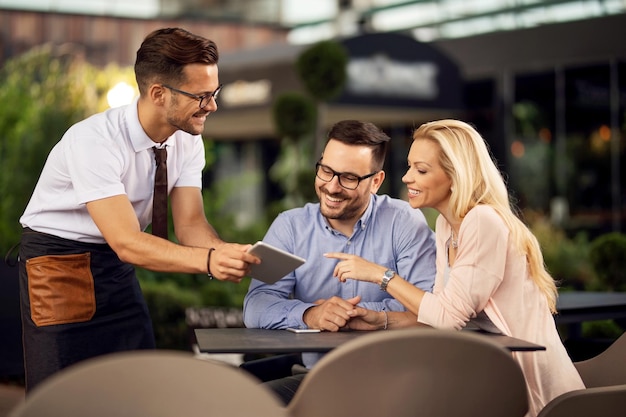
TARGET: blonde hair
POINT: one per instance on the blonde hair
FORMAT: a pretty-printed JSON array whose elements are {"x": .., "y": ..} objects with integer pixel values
[{"x": 467, "y": 162}]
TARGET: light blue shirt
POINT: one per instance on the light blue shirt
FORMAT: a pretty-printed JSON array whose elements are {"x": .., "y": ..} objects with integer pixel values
[{"x": 390, "y": 233}]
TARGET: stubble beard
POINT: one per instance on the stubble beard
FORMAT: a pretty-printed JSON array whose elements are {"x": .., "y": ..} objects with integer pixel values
[
  {"x": 347, "y": 211},
  {"x": 184, "y": 124}
]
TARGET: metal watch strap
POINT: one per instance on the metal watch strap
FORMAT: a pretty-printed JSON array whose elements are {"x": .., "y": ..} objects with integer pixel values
[{"x": 389, "y": 274}]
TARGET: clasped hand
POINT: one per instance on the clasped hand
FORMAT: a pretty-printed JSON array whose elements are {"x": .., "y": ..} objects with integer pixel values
[{"x": 336, "y": 314}]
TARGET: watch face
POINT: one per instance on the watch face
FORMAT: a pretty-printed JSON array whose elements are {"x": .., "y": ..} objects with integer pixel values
[{"x": 389, "y": 274}]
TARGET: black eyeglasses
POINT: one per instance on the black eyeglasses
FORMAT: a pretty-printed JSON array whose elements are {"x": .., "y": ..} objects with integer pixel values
[
  {"x": 204, "y": 100},
  {"x": 346, "y": 180}
]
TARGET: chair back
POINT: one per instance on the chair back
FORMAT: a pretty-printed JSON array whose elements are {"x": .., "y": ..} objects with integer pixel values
[
  {"x": 150, "y": 384},
  {"x": 606, "y": 368},
  {"x": 410, "y": 372},
  {"x": 600, "y": 402}
]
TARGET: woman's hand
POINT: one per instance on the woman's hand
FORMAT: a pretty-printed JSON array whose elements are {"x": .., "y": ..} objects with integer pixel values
[
  {"x": 355, "y": 267},
  {"x": 365, "y": 319}
]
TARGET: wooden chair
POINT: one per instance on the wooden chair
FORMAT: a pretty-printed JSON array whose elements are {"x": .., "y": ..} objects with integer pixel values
[
  {"x": 150, "y": 384},
  {"x": 607, "y": 368},
  {"x": 598, "y": 402},
  {"x": 411, "y": 372}
]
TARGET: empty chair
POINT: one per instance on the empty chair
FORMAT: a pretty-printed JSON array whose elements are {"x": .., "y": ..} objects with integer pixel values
[
  {"x": 607, "y": 368},
  {"x": 150, "y": 384},
  {"x": 411, "y": 372},
  {"x": 598, "y": 402}
]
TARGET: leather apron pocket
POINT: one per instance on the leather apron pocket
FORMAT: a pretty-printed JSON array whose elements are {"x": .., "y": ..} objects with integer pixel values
[{"x": 61, "y": 289}]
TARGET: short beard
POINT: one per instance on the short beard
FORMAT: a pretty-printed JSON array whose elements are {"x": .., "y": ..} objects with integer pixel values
[{"x": 346, "y": 214}]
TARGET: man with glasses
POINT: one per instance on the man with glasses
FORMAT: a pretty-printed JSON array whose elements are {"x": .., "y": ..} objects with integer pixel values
[
  {"x": 351, "y": 218},
  {"x": 84, "y": 227},
  {"x": 203, "y": 100}
]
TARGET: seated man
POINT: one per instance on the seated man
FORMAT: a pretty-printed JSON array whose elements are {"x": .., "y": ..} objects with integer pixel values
[{"x": 351, "y": 218}]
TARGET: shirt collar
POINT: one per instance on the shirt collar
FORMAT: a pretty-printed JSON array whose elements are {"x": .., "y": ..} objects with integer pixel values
[
  {"x": 365, "y": 218},
  {"x": 363, "y": 221},
  {"x": 138, "y": 137}
]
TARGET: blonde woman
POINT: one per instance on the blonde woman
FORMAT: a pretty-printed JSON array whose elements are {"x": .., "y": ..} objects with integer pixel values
[{"x": 490, "y": 269}]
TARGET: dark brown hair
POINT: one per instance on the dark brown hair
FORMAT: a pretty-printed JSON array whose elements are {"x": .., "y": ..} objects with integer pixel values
[
  {"x": 164, "y": 53},
  {"x": 354, "y": 132}
]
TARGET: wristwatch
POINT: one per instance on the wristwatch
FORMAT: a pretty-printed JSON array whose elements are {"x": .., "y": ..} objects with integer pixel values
[{"x": 389, "y": 274}]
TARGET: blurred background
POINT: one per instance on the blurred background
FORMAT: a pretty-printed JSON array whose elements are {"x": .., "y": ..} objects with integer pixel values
[{"x": 544, "y": 82}]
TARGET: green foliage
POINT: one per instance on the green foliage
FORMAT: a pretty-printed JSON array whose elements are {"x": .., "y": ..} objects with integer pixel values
[
  {"x": 566, "y": 259},
  {"x": 608, "y": 257},
  {"x": 217, "y": 198},
  {"x": 167, "y": 303},
  {"x": 294, "y": 115},
  {"x": 322, "y": 69},
  {"x": 431, "y": 215},
  {"x": 530, "y": 174},
  {"x": 224, "y": 294},
  {"x": 295, "y": 119},
  {"x": 528, "y": 119},
  {"x": 601, "y": 329},
  {"x": 294, "y": 171},
  {"x": 577, "y": 264},
  {"x": 42, "y": 93}
]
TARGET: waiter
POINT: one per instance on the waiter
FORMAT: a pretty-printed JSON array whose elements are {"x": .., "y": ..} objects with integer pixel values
[{"x": 84, "y": 225}]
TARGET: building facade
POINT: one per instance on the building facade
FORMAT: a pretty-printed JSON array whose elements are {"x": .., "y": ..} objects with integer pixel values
[{"x": 549, "y": 100}]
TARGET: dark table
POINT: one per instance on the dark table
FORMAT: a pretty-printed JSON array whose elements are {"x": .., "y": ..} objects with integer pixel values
[
  {"x": 576, "y": 307},
  {"x": 242, "y": 340}
]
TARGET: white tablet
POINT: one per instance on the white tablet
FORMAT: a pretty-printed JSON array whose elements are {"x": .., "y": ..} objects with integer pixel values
[{"x": 275, "y": 263}]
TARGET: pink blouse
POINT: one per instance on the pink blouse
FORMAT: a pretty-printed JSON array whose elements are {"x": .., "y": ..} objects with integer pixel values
[{"x": 490, "y": 275}]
